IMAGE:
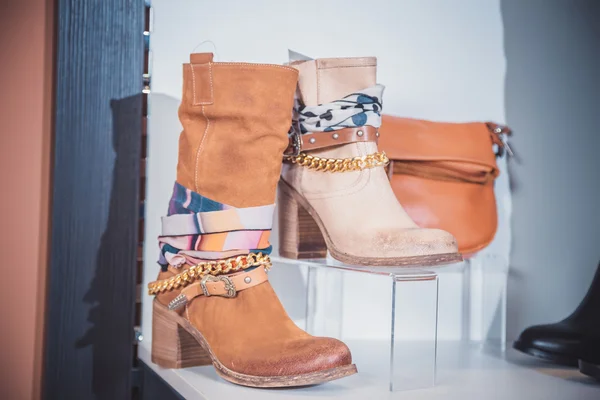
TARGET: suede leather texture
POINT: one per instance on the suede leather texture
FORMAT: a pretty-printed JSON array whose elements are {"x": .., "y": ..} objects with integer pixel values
[
  {"x": 235, "y": 119},
  {"x": 252, "y": 334},
  {"x": 359, "y": 209}
]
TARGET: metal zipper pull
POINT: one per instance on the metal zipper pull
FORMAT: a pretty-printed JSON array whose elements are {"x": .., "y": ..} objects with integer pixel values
[
  {"x": 501, "y": 132},
  {"x": 504, "y": 138}
]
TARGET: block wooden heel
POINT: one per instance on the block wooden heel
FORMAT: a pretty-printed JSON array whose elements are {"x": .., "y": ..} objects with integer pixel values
[
  {"x": 299, "y": 234},
  {"x": 172, "y": 345}
]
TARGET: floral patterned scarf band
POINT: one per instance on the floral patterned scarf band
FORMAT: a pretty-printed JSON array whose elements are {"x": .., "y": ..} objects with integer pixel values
[{"x": 357, "y": 109}]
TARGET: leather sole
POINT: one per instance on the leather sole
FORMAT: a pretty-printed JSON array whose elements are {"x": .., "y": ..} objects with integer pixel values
[
  {"x": 556, "y": 358},
  {"x": 303, "y": 235},
  {"x": 590, "y": 369},
  {"x": 176, "y": 343}
]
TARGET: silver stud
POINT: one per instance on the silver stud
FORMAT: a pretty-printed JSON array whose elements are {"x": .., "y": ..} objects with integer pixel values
[
  {"x": 498, "y": 130},
  {"x": 335, "y": 136},
  {"x": 247, "y": 279},
  {"x": 312, "y": 140},
  {"x": 377, "y": 134},
  {"x": 360, "y": 133}
]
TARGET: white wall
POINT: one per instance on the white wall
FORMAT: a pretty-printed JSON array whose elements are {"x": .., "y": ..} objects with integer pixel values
[
  {"x": 439, "y": 59},
  {"x": 553, "y": 104}
]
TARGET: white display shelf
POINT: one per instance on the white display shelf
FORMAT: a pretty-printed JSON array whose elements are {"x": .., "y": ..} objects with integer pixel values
[
  {"x": 464, "y": 372},
  {"x": 463, "y": 369},
  {"x": 319, "y": 294}
]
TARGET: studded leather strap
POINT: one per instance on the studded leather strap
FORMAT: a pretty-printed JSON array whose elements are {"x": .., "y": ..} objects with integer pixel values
[
  {"x": 319, "y": 140},
  {"x": 220, "y": 285}
]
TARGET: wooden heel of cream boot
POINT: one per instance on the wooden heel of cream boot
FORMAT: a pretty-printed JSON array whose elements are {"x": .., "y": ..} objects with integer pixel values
[
  {"x": 172, "y": 345},
  {"x": 299, "y": 234}
]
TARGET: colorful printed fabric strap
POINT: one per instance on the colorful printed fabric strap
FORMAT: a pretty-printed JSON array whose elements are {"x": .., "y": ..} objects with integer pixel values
[
  {"x": 357, "y": 109},
  {"x": 198, "y": 228},
  {"x": 219, "y": 241},
  {"x": 232, "y": 219}
]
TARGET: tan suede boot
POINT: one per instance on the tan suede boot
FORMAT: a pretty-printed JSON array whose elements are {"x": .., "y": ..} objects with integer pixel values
[
  {"x": 336, "y": 195},
  {"x": 214, "y": 303}
]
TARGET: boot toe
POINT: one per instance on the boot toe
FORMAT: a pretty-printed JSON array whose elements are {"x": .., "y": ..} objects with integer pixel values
[
  {"x": 329, "y": 353},
  {"x": 555, "y": 342},
  {"x": 315, "y": 354},
  {"x": 436, "y": 241},
  {"x": 298, "y": 357},
  {"x": 418, "y": 242}
]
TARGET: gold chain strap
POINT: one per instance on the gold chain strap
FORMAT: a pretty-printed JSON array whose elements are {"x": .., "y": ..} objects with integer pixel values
[
  {"x": 339, "y": 164},
  {"x": 219, "y": 267}
]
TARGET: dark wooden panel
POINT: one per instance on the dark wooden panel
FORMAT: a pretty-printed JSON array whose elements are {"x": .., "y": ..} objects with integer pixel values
[{"x": 98, "y": 118}]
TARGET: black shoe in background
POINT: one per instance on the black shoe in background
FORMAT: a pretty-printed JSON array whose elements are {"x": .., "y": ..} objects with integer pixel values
[
  {"x": 571, "y": 339},
  {"x": 590, "y": 363}
]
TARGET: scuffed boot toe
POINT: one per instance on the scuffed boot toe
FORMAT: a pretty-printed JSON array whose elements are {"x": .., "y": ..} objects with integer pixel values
[
  {"x": 415, "y": 242},
  {"x": 299, "y": 357}
]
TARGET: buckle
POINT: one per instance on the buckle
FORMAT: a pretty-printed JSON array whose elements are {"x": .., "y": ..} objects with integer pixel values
[
  {"x": 295, "y": 146},
  {"x": 227, "y": 282}
]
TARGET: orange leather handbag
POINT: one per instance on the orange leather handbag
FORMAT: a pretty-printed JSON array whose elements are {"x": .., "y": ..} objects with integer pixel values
[{"x": 443, "y": 175}]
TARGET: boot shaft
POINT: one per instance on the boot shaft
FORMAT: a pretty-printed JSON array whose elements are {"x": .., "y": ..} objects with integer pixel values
[
  {"x": 328, "y": 79},
  {"x": 586, "y": 313},
  {"x": 325, "y": 80},
  {"x": 235, "y": 119}
]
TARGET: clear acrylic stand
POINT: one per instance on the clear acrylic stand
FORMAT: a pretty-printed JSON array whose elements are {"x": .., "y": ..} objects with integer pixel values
[
  {"x": 395, "y": 345},
  {"x": 478, "y": 314},
  {"x": 491, "y": 271}
]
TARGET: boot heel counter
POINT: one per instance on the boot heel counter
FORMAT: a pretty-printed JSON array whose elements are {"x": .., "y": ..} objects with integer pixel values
[
  {"x": 299, "y": 234},
  {"x": 172, "y": 345}
]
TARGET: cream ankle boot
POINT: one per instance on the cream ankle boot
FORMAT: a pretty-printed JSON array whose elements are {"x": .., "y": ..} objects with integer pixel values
[{"x": 335, "y": 194}]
